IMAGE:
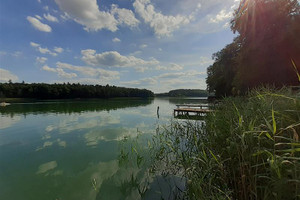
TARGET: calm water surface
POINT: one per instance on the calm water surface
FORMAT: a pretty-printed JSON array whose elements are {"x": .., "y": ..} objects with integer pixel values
[{"x": 55, "y": 150}]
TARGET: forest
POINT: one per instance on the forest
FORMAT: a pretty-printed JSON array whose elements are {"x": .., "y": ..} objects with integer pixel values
[
  {"x": 265, "y": 52},
  {"x": 184, "y": 93},
  {"x": 68, "y": 91}
]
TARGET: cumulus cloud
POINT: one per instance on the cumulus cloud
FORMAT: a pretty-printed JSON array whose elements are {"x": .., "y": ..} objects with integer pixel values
[
  {"x": 88, "y": 14},
  {"x": 41, "y": 60},
  {"x": 37, "y": 24},
  {"x": 46, "y": 50},
  {"x": 115, "y": 59},
  {"x": 6, "y": 75},
  {"x": 163, "y": 25},
  {"x": 116, "y": 40},
  {"x": 124, "y": 16},
  {"x": 50, "y": 18},
  {"x": 58, "y": 49},
  {"x": 60, "y": 72},
  {"x": 221, "y": 16}
]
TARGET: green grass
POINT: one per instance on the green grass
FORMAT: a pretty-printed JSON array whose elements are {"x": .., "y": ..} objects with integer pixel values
[{"x": 248, "y": 148}]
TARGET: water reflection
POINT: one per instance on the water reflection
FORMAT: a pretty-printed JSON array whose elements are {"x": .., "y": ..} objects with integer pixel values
[
  {"x": 69, "y": 107},
  {"x": 69, "y": 150},
  {"x": 7, "y": 121}
]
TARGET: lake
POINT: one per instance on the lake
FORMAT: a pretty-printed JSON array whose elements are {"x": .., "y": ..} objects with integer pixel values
[{"x": 69, "y": 149}]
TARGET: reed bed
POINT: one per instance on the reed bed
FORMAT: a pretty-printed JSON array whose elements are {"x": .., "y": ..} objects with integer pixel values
[{"x": 248, "y": 148}]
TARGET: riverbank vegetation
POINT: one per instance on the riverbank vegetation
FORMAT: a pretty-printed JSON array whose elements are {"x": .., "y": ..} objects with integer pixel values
[
  {"x": 68, "y": 91},
  {"x": 249, "y": 148}
]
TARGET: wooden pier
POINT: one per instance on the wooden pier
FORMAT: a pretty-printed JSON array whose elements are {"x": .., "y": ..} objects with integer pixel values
[{"x": 184, "y": 110}]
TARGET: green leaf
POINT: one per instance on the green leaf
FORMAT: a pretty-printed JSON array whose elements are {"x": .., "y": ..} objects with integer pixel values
[
  {"x": 269, "y": 136},
  {"x": 214, "y": 156},
  {"x": 274, "y": 122}
]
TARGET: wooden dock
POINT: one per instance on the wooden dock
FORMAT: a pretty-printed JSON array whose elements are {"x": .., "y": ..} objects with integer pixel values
[{"x": 195, "y": 109}]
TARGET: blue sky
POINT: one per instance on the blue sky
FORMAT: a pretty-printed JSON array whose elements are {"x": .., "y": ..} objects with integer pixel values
[{"x": 154, "y": 44}]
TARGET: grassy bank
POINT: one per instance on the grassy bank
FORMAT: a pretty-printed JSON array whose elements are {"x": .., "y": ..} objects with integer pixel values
[{"x": 248, "y": 149}]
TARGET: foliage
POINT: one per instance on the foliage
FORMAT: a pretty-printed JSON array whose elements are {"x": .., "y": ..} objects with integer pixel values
[
  {"x": 221, "y": 74},
  {"x": 247, "y": 149},
  {"x": 68, "y": 91},
  {"x": 266, "y": 50},
  {"x": 185, "y": 93}
]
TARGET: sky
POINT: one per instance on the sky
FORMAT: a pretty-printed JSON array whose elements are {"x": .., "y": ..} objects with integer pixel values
[{"x": 154, "y": 44}]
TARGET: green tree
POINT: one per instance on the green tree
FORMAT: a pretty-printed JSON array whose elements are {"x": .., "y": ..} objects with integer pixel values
[
  {"x": 263, "y": 53},
  {"x": 269, "y": 31},
  {"x": 222, "y": 73}
]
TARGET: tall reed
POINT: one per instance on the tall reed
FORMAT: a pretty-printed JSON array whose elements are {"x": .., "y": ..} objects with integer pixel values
[{"x": 247, "y": 149}]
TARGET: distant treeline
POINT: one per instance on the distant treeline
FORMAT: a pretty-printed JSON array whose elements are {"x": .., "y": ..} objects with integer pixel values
[
  {"x": 184, "y": 93},
  {"x": 68, "y": 91}
]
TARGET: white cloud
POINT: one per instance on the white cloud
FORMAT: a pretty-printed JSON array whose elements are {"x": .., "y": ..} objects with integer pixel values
[
  {"x": 124, "y": 16},
  {"x": 39, "y": 17},
  {"x": 50, "y": 18},
  {"x": 141, "y": 82},
  {"x": 41, "y": 60},
  {"x": 116, "y": 40},
  {"x": 175, "y": 67},
  {"x": 39, "y": 1},
  {"x": 17, "y": 53},
  {"x": 170, "y": 67},
  {"x": 14, "y": 54},
  {"x": 60, "y": 72},
  {"x": 58, "y": 49},
  {"x": 221, "y": 16},
  {"x": 33, "y": 44},
  {"x": 46, "y": 50},
  {"x": 37, "y": 24},
  {"x": 167, "y": 81},
  {"x": 6, "y": 75},
  {"x": 142, "y": 46},
  {"x": 65, "y": 16},
  {"x": 90, "y": 72},
  {"x": 88, "y": 14},
  {"x": 163, "y": 25},
  {"x": 178, "y": 75},
  {"x": 115, "y": 59},
  {"x": 46, "y": 8}
]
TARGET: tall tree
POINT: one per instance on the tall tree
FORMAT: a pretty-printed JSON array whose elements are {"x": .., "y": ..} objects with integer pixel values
[
  {"x": 269, "y": 31},
  {"x": 222, "y": 73}
]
